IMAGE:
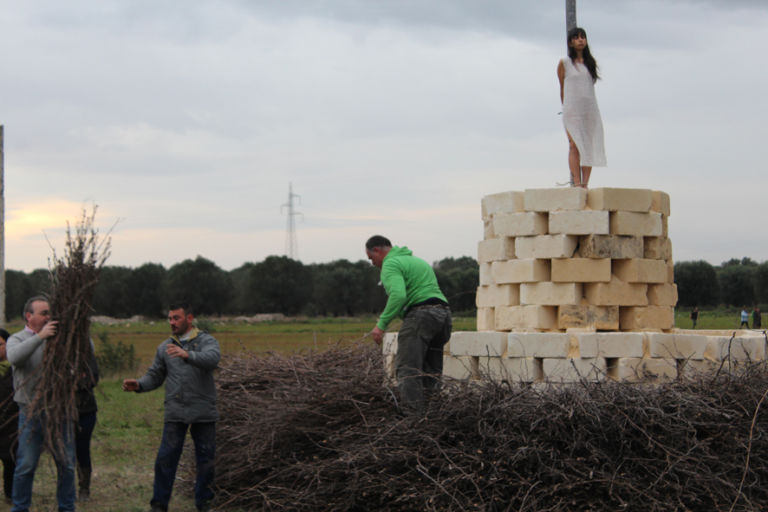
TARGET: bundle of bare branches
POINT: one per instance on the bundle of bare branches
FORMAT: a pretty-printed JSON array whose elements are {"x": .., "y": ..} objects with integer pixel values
[
  {"x": 320, "y": 431},
  {"x": 66, "y": 357}
]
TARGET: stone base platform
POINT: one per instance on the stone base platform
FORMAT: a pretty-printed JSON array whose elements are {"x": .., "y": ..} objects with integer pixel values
[{"x": 556, "y": 357}]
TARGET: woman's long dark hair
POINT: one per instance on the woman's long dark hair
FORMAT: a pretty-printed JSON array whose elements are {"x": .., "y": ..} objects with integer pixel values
[{"x": 589, "y": 60}]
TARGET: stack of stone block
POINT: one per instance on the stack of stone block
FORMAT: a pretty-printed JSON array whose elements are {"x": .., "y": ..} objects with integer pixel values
[
  {"x": 558, "y": 259},
  {"x": 578, "y": 285}
]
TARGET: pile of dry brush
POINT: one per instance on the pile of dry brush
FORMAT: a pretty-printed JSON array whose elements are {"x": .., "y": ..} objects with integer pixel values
[
  {"x": 319, "y": 431},
  {"x": 67, "y": 356}
]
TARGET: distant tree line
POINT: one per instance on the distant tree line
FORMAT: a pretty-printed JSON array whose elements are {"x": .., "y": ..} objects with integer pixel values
[
  {"x": 276, "y": 285},
  {"x": 339, "y": 288},
  {"x": 736, "y": 282}
]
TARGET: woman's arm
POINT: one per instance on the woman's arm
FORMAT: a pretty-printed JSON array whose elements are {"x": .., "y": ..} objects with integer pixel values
[{"x": 561, "y": 77}]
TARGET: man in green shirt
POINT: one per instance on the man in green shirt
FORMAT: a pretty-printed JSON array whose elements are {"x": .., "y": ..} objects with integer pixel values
[{"x": 414, "y": 295}]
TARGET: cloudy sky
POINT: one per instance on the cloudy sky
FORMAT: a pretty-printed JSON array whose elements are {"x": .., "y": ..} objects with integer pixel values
[{"x": 185, "y": 122}]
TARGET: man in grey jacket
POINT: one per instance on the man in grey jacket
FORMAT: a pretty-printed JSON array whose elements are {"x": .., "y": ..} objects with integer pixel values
[
  {"x": 185, "y": 362},
  {"x": 25, "y": 352}
]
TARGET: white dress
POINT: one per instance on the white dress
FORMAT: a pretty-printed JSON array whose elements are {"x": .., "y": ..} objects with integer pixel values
[{"x": 581, "y": 116}]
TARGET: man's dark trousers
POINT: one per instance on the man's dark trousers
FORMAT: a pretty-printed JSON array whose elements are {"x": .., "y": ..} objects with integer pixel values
[
  {"x": 419, "y": 359},
  {"x": 204, "y": 437}
]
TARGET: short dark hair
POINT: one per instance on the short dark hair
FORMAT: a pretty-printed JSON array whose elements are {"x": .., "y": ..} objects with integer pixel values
[
  {"x": 4, "y": 334},
  {"x": 28, "y": 304},
  {"x": 181, "y": 305},
  {"x": 377, "y": 241}
]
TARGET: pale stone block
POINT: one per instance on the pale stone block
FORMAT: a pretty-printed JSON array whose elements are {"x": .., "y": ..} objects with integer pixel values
[
  {"x": 525, "y": 317},
  {"x": 503, "y": 202},
  {"x": 660, "y": 203},
  {"x": 676, "y": 346},
  {"x": 610, "y": 246},
  {"x": 662, "y": 294},
  {"x": 550, "y": 199},
  {"x": 616, "y": 293},
  {"x": 636, "y": 224},
  {"x": 636, "y": 318},
  {"x": 497, "y": 295},
  {"x": 390, "y": 373},
  {"x": 520, "y": 224},
  {"x": 488, "y": 229},
  {"x": 634, "y": 369},
  {"x": 657, "y": 248},
  {"x": 640, "y": 271},
  {"x": 485, "y": 319},
  {"x": 459, "y": 368},
  {"x": 624, "y": 199},
  {"x": 521, "y": 271},
  {"x": 610, "y": 344},
  {"x": 389, "y": 343},
  {"x": 545, "y": 246},
  {"x": 740, "y": 349},
  {"x": 670, "y": 272},
  {"x": 538, "y": 344},
  {"x": 495, "y": 249},
  {"x": 693, "y": 368},
  {"x": 468, "y": 343},
  {"x": 664, "y": 226},
  {"x": 550, "y": 294},
  {"x": 573, "y": 369},
  {"x": 604, "y": 318},
  {"x": 485, "y": 276},
  {"x": 519, "y": 369},
  {"x": 579, "y": 222},
  {"x": 582, "y": 270}
]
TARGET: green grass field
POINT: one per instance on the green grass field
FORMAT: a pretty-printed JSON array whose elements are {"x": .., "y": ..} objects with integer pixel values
[{"x": 129, "y": 425}]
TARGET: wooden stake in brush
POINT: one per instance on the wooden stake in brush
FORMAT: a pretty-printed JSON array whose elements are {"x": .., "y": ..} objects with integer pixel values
[{"x": 66, "y": 356}]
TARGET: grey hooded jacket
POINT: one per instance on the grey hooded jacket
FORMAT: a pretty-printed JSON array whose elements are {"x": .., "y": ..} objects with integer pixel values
[{"x": 190, "y": 393}]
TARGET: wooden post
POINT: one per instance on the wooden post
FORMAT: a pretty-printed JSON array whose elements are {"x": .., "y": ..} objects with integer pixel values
[
  {"x": 2, "y": 229},
  {"x": 570, "y": 15}
]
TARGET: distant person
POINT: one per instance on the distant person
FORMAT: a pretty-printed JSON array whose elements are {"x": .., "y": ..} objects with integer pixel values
[
  {"x": 85, "y": 399},
  {"x": 757, "y": 318},
  {"x": 694, "y": 317},
  {"x": 25, "y": 352},
  {"x": 577, "y": 74},
  {"x": 185, "y": 362},
  {"x": 744, "y": 318},
  {"x": 9, "y": 422},
  {"x": 414, "y": 295}
]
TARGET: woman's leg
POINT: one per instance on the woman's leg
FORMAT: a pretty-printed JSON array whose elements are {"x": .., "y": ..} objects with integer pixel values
[
  {"x": 573, "y": 162},
  {"x": 585, "y": 172}
]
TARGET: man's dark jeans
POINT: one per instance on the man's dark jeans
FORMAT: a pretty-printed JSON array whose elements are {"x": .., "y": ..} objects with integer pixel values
[
  {"x": 204, "y": 437},
  {"x": 419, "y": 359}
]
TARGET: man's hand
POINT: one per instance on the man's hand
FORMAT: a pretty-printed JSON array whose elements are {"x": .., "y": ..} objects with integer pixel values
[
  {"x": 48, "y": 330},
  {"x": 176, "y": 351},
  {"x": 377, "y": 335},
  {"x": 130, "y": 385}
]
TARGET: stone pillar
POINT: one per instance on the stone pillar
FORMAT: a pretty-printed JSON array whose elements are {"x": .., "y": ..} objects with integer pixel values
[{"x": 565, "y": 258}]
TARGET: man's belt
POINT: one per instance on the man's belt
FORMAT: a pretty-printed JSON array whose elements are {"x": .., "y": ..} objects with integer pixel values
[{"x": 432, "y": 301}]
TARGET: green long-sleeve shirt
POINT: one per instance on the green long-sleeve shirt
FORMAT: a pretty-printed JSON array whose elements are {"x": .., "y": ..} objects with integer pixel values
[{"x": 407, "y": 280}]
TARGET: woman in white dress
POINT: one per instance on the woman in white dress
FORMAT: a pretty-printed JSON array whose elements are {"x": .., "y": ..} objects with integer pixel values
[{"x": 581, "y": 116}]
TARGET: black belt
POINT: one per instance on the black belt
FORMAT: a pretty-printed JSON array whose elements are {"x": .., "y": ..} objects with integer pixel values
[{"x": 432, "y": 301}]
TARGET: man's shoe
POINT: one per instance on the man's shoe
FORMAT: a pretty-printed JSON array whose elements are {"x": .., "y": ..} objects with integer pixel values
[{"x": 157, "y": 508}]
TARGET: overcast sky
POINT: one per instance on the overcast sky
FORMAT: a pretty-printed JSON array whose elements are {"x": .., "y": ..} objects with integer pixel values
[{"x": 185, "y": 122}]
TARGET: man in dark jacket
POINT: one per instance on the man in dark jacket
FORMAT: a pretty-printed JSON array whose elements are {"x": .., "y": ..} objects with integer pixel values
[{"x": 185, "y": 362}]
